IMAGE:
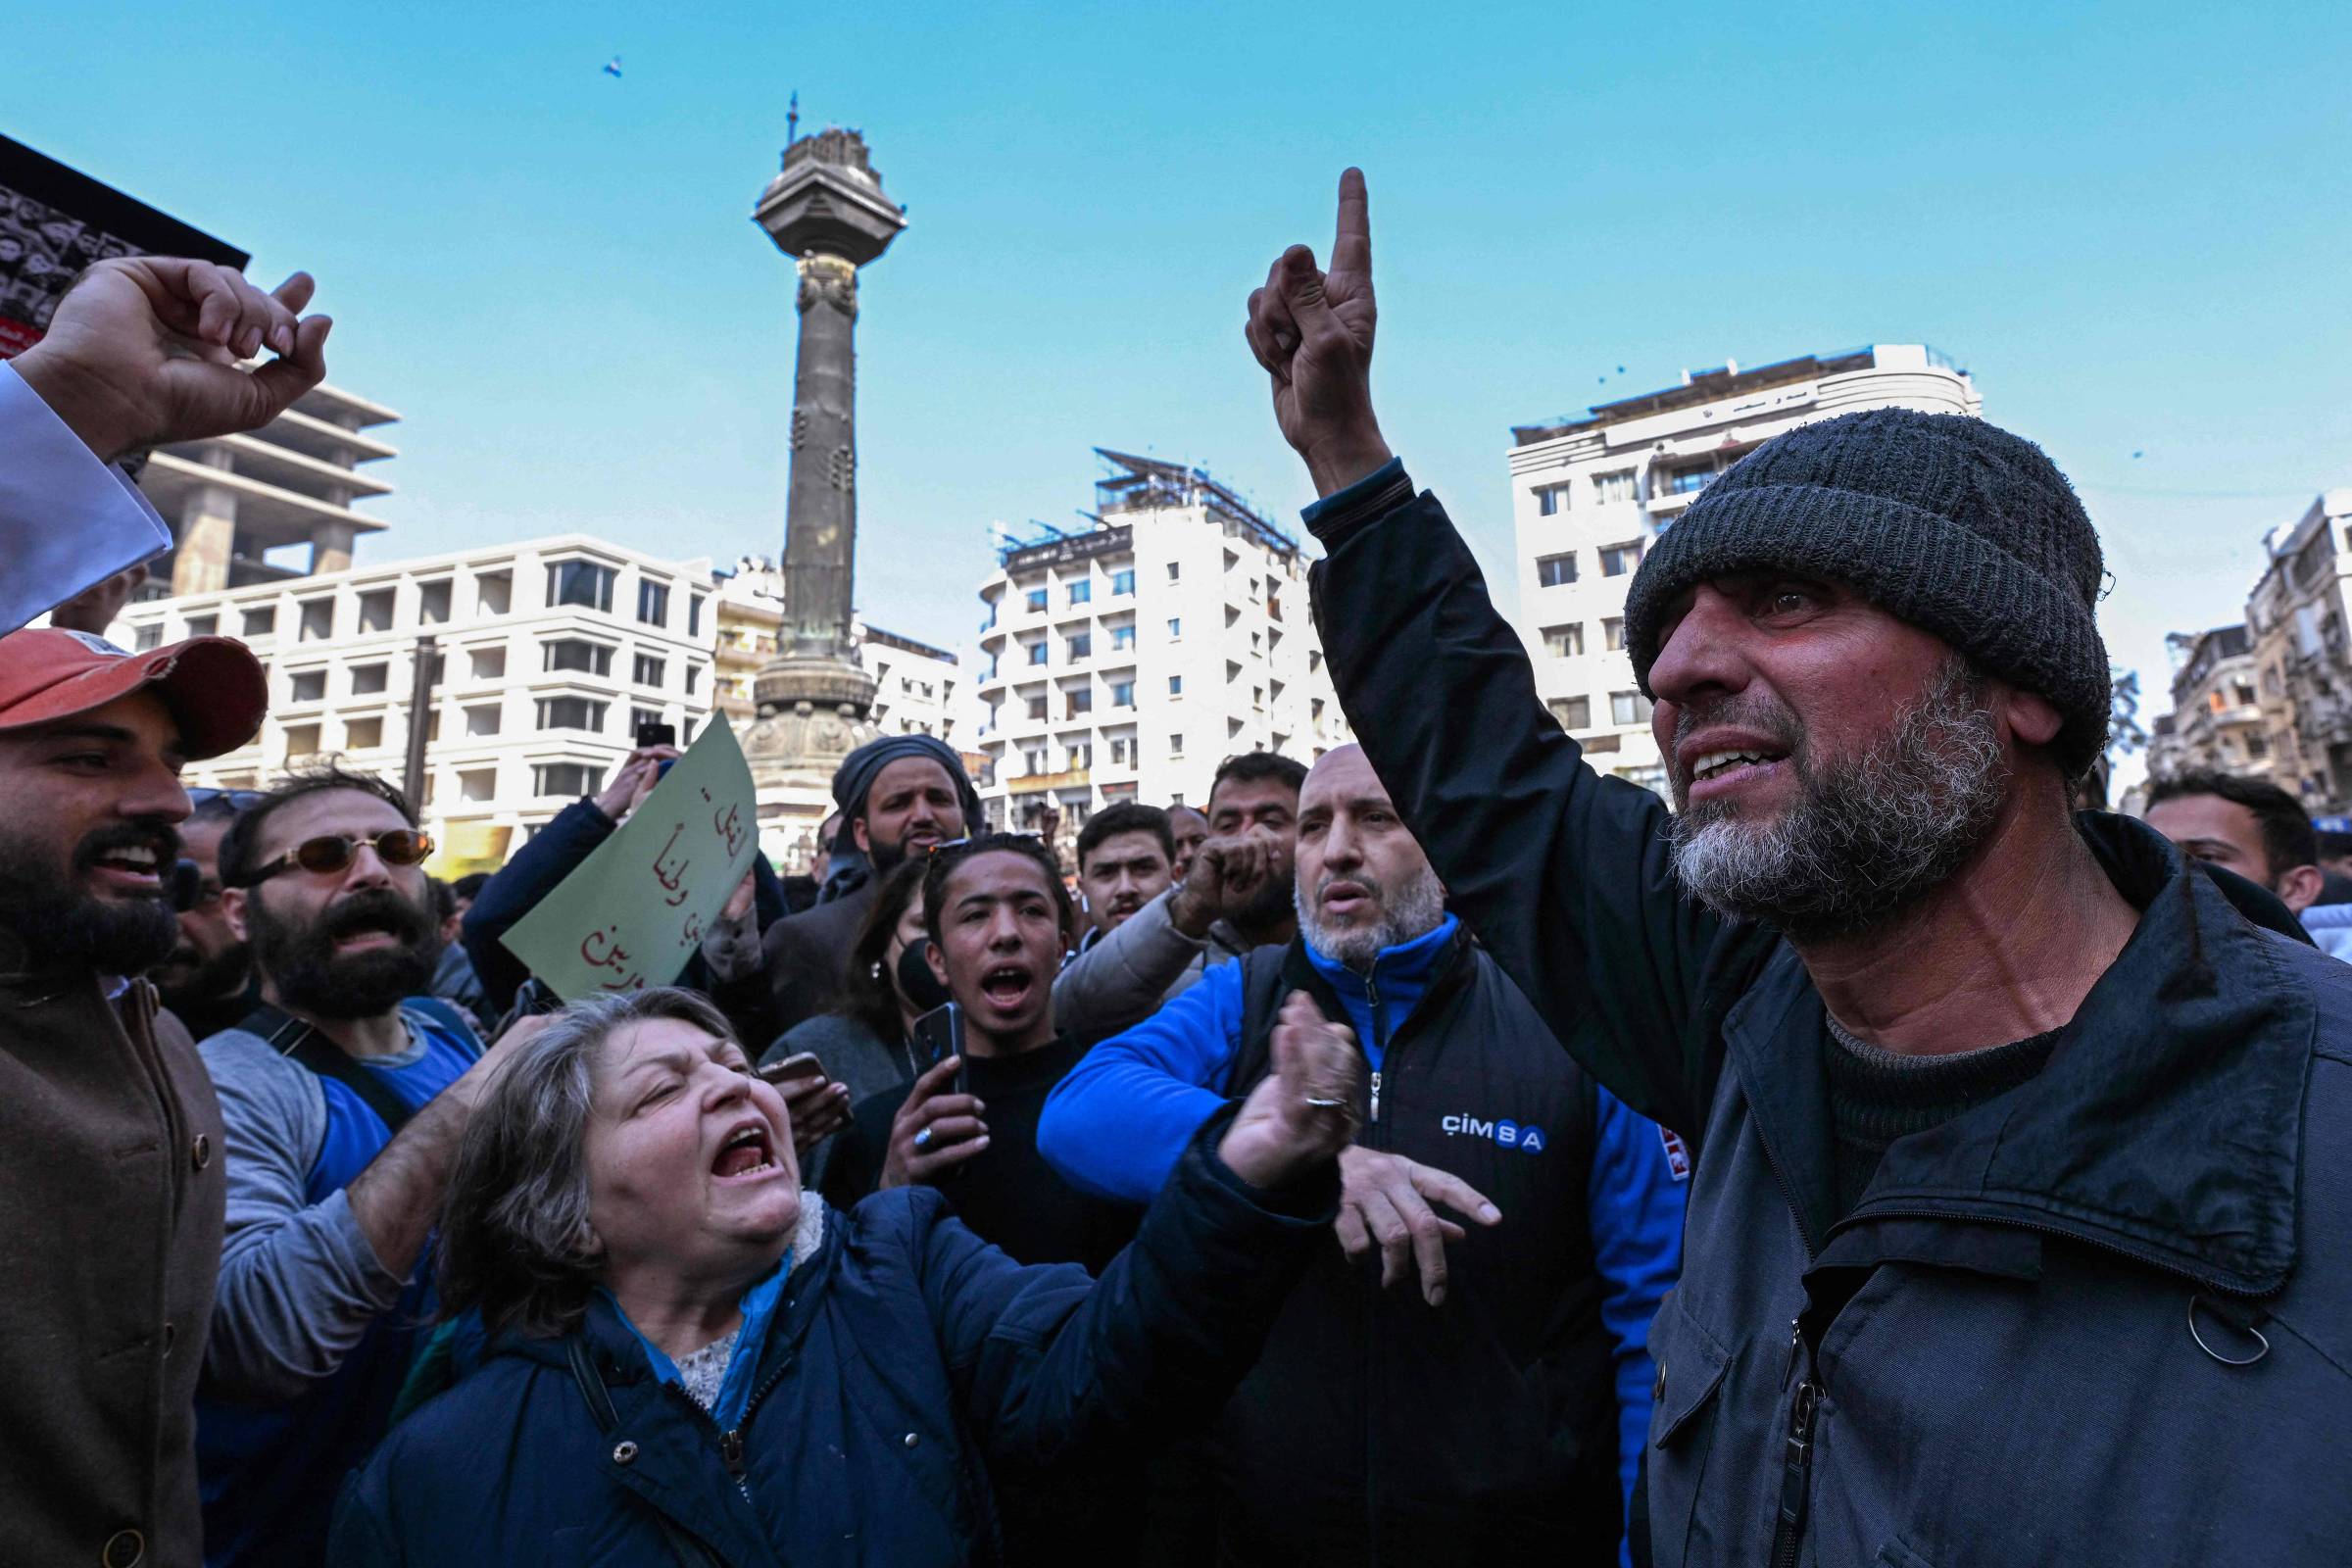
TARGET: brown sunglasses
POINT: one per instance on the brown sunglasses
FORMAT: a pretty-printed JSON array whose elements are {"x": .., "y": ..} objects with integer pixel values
[{"x": 331, "y": 852}]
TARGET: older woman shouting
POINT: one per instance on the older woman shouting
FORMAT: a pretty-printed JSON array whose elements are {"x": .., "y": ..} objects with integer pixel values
[{"x": 690, "y": 1364}]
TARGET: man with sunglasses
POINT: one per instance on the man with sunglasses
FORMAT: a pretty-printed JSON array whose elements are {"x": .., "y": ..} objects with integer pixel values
[
  {"x": 110, "y": 1136},
  {"x": 345, "y": 1096},
  {"x": 207, "y": 983}
]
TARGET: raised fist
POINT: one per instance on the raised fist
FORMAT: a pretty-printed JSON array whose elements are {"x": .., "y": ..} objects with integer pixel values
[
  {"x": 147, "y": 349},
  {"x": 1312, "y": 332}
]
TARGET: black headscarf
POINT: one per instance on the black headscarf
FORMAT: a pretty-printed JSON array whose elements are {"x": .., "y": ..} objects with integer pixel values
[{"x": 850, "y": 869}]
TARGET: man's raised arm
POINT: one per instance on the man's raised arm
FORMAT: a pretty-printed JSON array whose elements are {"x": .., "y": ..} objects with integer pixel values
[{"x": 1563, "y": 874}]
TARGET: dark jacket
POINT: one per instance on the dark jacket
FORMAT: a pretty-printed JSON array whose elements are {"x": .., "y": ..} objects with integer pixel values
[
  {"x": 2017, "y": 1348},
  {"x": 554, "y": 853},
  {"x": 1377, "y": 1429},
  {"x": 804, "y": 955},
  {"x": 905, "y": 1351},
  {"x": 111, "y": 1204}
]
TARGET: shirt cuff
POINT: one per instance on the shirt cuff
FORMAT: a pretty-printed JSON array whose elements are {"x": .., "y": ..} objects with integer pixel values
[
  {"x": 1374, "y": 496},
  {"x": 67, "y": 520}
]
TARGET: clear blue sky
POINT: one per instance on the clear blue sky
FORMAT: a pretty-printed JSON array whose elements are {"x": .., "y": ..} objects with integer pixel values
[{"x": 2129, "y": 221}]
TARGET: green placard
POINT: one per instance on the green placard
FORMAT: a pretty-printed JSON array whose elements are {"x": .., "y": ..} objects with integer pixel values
[{"x": 632, "y": 913}]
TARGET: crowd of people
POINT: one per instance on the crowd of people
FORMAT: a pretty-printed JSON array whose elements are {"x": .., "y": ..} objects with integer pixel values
[{"x": 1436, "y": 1153}]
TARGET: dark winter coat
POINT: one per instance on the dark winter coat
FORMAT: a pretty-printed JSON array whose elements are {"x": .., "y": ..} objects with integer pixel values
[
  {"x": 2103, "y": 1318},
  {"x": 904, "y": 1352}
]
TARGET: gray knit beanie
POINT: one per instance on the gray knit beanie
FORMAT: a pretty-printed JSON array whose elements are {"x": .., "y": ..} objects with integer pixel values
[{"x": 1945, "y": 521}]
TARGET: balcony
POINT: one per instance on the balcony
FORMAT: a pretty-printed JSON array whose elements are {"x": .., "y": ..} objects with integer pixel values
[{"x": 1039, "y": 783}]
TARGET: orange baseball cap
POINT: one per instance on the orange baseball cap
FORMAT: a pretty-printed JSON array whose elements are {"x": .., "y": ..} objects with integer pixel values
[{"x": 213, "y": 685}]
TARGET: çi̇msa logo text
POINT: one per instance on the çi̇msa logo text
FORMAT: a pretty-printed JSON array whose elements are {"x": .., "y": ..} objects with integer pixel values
[{"x": 1509, "y": 1134}]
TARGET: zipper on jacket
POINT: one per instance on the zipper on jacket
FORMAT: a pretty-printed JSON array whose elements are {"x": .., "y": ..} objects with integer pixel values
[
  {"x": 1379, "y": 1024},
  {"x": 730, "y": 1448},
  {"x": 1795, "y": 1475}
]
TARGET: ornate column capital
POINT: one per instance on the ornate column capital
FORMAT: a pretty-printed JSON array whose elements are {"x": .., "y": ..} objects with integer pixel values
[{"x": 831, "y": 278}]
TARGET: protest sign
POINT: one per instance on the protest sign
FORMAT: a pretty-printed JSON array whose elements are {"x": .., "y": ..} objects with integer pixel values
[{"x": 633, "y": 912}]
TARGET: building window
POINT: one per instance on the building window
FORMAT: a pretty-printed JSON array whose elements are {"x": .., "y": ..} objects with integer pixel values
[
  {"x": 1082, "y": 593},
  {"x": 1175, "y": 629},
  {"x": 1122, "y": 694},
  {"x": 563, "y": 778},
  {"x": 375, "y": 609},
  {"x": 1122, "y": 583},
  {"x": 1081, "y": 757},
  {"x": 302, "y": 740},
  {"x": 204, "y": 625},
  {"x": 1035, "y": 599},
  {"x": 572, "y": 712},
  {"x": 1627, "y": 708},
  {"x": 1612, "y": 634},
  {"x": 258, "y": 622},
  {"x": 1618, "y": 486},
  {"x": 481, "y": 722},
  {"x": 1175, "y": 572},
  {"x": 1175, "y": 685},
  {"x": 1036, "y": 652},
  {"x": 1689, "y": 481},
  {"x": 653, "y": 601},
  {"x": 306, "y": 686},
  {"x": 362, "y": 734},
  {"x": 571, "y": 653},
  {"x": 1555, "y": 571},
  {"x": 147, "y": 638},
  {"x": 1037, "y": 709},
  {"x": 318, "y": 621},
  {"x": 1122, "y": 752},
  {"x": 1564, "y": 642},
  {"x": 1175, "y": 745},
  {"x": 494, "y": 592},
  {"x": 650, "y": 670},
  {"x": 694, "y": 678},
  {"x": 433, "y": 602},
  {"x": 1081, "y": 702},
  {"x": 1082, "y": 645},
  {"x": 1121, "y": 638},
  {"x": 366, "y": 680},
  {"x": 580, "y": 582},
  {"x": 478, "y": 783},
  {"x": 1032, "y": 762},
  {"x": 694, "y": 615},
  {"x": 639, "y": 718},
  {"x": 1573, "y": 712},
  {"x": 1618, "y": 559},
  {"x": 1550, "y": 499},
  {"x": 488, "y": 663}
]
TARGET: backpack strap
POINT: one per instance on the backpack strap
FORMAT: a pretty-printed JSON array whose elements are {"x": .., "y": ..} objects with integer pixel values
[
  {"x": 1262, "y": 991},
  {"x": 290, "y": 1037},
  {"x": 689, "y": 1551},
  {"x": 446, "y": 1014}
]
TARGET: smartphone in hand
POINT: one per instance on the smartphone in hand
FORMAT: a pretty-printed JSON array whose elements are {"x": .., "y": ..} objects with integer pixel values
[
  {"x": 793, "y": 1069},
  {"x": 939, "y": 1035}
]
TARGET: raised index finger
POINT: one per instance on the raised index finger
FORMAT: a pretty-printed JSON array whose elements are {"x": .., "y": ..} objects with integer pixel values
[{"x": 1352, "y": 249}]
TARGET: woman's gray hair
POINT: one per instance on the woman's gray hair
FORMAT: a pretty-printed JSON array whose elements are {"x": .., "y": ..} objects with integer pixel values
[{"x": 515, "y": 1239}]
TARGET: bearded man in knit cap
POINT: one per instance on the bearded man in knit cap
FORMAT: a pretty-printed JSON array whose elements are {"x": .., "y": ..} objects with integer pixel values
[
  {"x": 897, "y": 795},
  {"x": 2024, "y": 1156}
]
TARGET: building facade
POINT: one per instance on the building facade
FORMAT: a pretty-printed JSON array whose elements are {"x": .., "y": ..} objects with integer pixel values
[
  {"x": 1589, "y": 495},
  {"x": 549, "y": 656},
  {"x": 2297, "y": 618},
  {"x": 1127, "y": 661},
  {"x": 2217, "y": 721},
  {"x": 915, "y": 684},
  {"x": 271, "y": 505}
]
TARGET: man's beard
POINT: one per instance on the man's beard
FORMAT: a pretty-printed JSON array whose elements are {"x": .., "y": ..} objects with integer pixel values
[
  {"x": 1411, "y": 910},
  {"x": 54, "y": 918},
  {"x": 312, "y": 977},
  {"x": 1868, "y": 836},
  {"x": 190, "y": 982}
]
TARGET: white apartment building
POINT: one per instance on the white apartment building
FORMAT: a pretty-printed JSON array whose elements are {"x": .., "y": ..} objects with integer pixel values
[
  {"x": 1589, "y": 495},
  {"x": 549, "y": 655},
  {"x": 915, "y": 683},
  {"x": 1127, "y": 661}
]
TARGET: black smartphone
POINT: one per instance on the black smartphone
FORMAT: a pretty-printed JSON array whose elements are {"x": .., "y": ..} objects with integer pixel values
[
  {"x": 939, "y": 1035},
  {"x": 651, "y": 733}
]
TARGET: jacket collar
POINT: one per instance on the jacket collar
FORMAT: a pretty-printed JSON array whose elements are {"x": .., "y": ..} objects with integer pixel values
[
  {"x": 2168, "y": 1125},
  {"x": 1407, "y": 967}
]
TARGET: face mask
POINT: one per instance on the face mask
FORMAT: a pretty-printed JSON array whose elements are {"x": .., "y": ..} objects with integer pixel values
[{"x": 916, "y": 983}]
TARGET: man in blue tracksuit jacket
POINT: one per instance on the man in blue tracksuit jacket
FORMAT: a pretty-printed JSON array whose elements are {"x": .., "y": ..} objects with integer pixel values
[{"x": 1505, "y": 1404}]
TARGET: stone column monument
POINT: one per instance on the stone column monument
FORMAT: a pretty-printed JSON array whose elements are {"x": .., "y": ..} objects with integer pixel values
[{"x": 827, "y": 212}]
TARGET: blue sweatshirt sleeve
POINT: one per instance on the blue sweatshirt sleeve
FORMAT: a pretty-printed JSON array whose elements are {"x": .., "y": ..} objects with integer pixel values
[
  {"x": 1635, "y": 1196},
  {"x": 1117, "y": 1124}
]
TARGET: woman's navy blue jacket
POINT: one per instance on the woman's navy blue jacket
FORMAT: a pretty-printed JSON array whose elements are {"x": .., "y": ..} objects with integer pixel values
[{"x": 907, "y": 1352}]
